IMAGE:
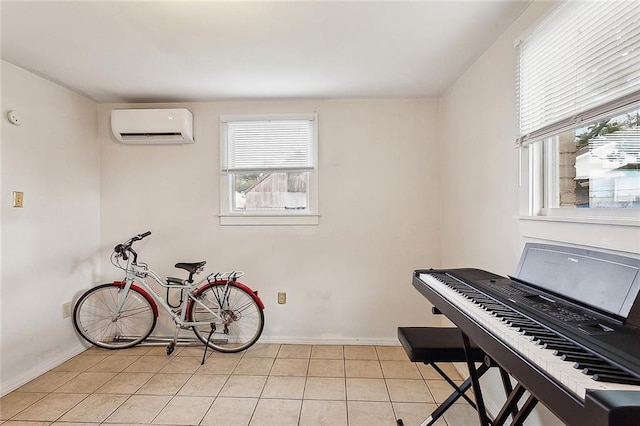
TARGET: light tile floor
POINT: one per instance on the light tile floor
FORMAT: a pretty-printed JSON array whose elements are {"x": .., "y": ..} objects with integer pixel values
[{"x": 269, "y": 384}]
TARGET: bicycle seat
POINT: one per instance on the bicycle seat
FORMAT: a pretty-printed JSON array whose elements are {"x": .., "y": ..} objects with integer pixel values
[{"x": 190, "y": 267}]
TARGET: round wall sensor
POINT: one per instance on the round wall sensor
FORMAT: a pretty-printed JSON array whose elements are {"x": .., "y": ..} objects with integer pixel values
[{"x": 13, "y": 118}]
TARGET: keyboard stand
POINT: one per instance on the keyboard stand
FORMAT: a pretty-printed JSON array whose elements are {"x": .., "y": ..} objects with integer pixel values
[
  {"x": 431, "y": 345},
  {"x": 474, "y": 376},
  {"x": 510, "y": 407}
]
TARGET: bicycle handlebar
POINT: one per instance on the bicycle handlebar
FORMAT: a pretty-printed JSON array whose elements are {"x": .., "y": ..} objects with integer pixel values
[{"x": 122, "y": 249}]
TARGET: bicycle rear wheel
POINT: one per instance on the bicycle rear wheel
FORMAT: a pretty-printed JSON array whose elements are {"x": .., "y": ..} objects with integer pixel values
[
  {"x": 241, "y": 318},
  {"x": 93, "y": 317}
]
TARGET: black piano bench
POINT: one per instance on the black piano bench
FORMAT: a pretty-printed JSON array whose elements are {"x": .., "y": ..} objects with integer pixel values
[{"x": 431, "y": 345}]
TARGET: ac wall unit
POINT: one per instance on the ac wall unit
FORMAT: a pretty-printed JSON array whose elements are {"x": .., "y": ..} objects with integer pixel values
[{"x": 152, "y": 126}]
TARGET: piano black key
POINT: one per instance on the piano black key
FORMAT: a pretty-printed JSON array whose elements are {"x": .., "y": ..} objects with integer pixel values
[
  {"x": 532, "y": 329},
  {"x": 591, "y": 371},
  {"x": 560, "y": 342},
  {"x": 562, "y": 347},
  {"x": 508, "y": 314},
  {"x": 538, "y": 333},
  {"x": 520, "y": 322},
  {"x": 579, "y": 352},
  {"x": 492, "y": 308},
  {"x": 499, "y": 306},
  {"x": 580, "y": 365},
  {"x": 612, "y": 378},
  {"x": 523, "y": 322},
  {"x": 544, "y": 332},
  {"x": 495, "y": 311},
  {"x": 579, "y": 357},
  {"x": 551, "y": 346},
  {"x": 488, "y": 301}
]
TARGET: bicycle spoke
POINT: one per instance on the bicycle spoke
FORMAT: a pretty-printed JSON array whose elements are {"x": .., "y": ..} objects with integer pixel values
[
  {"x": 97, "y": 320},
  {"x": 238, "y": 319}
]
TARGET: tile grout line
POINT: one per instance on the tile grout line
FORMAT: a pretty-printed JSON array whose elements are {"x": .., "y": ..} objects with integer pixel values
[{"x": 261, "y": 396}]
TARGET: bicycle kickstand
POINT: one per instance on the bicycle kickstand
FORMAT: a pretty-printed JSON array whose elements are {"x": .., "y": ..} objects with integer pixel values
[
  {"x": 204, "y": 356},
  {"x": 172, "y": 344}
]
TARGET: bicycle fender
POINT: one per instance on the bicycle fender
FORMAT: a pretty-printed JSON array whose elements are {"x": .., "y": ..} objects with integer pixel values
[
  {"x": 254, "y": 294},
  {"x": 142, "y": 292}
]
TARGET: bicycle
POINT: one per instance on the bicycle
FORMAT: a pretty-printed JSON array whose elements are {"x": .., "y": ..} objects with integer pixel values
[{"x": 224, "y": 314}]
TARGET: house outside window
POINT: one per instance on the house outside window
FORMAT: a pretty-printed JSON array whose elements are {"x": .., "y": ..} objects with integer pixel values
[{"x": 269, "y": 170}]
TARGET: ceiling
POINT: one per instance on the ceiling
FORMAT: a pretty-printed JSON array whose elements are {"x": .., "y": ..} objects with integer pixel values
[{"x": 172, "y": 51}]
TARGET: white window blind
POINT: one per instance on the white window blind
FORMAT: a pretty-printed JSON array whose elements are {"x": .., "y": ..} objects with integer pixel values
[
  {"x": 580, "y": 63},
  {"x": 268, "y": 144}
]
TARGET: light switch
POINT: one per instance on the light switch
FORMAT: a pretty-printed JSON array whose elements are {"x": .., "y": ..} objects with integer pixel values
[{"x": 18, "y": 199}]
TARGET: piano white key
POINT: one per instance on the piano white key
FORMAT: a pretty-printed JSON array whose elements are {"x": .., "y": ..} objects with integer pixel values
[{"x": 563, "y": 371}]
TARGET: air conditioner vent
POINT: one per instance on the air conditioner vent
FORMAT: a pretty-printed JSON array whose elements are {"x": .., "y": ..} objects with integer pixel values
[{"x": 152, "y": 126}]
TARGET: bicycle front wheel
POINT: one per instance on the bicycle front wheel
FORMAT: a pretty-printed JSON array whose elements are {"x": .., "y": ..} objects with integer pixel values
[
  {"x": 95, "y": 319},
  {"x": 237, "y": 321}
]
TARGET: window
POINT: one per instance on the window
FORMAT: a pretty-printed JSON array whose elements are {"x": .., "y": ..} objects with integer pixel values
[
  {"x": 269, "y": 166},
  {"x": 578, "y": 108},
  {"x": 594, "y": 166}
]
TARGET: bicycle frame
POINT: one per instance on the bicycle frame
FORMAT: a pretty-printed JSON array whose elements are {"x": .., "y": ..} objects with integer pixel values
[{"x": 136, "y": 273}]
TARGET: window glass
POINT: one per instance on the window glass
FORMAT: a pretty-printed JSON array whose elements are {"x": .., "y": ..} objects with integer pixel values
[
  {"x": 595, "y": 166},
  {"x": 270, "y": 191}
]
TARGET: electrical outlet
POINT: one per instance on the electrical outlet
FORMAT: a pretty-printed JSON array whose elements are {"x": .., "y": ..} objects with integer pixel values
[
  {"x": 282, "y": 298},
  {"x": 66, "y": 310},
  {"x": 18, "y": 199}
]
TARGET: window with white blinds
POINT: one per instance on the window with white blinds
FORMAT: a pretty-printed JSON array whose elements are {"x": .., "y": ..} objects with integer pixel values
[
  {"x": 581, "y": 63},
  {"x": 269, "y": 144},
  {"x": 269, "y": 167}
]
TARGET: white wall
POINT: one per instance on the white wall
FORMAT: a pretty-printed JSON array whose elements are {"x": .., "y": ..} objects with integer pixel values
[
  {"x": 480, "y": 183},
  {"x": 480, "y": 191},
  {"x": 49, "y": 247},
  {"x": 348, "y": 280}
]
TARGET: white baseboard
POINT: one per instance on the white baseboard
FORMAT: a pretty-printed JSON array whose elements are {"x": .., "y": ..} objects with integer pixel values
[
  {"x": 327, "y": 341},
  {"x": 283, "y": 340}
]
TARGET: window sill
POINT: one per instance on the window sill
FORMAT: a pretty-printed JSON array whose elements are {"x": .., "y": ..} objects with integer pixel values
[
  {"x": 269, "y": 220},
  {"x": 597, "y": 220},
  {"x": 617, "y": 234}
]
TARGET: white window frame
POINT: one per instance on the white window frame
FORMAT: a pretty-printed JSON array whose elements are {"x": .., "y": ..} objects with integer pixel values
[
  {"x": 538, "y": 123},
  {"x": 309, "y": 216}
]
